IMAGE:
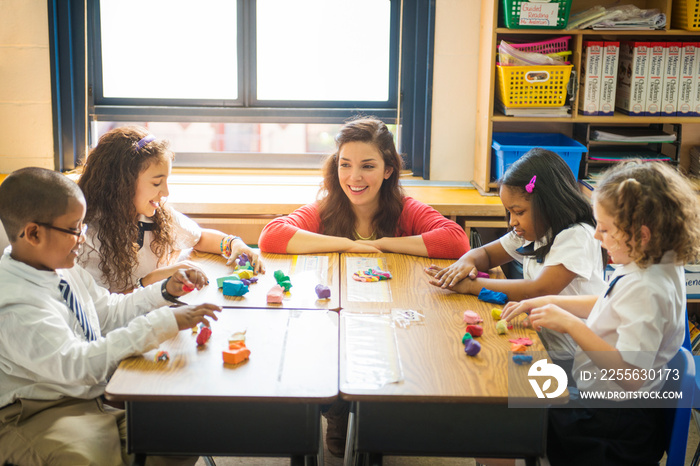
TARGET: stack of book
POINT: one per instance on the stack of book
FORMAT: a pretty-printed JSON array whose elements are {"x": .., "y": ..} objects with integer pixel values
[
  {"x": 659, "y": 79},
  {"x": 613, "y": 144},
  {"x": 545, "y": 112},
  {"x": 598, "y": 83}
]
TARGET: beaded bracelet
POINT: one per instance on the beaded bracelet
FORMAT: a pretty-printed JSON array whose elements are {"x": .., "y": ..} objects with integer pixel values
[{"x": 225, "y": 246}]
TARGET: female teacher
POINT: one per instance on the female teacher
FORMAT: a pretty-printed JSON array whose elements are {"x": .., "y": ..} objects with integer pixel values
[{"x": 362, "y": 208}]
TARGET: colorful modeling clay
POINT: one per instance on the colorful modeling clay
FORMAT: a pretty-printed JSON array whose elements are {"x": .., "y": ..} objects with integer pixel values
[
  {"x": 496, "y": 313},
  {"x": 161, "y": 356},
  {"x": 237, "y": 336},
  {"x": 187, "y": 289},
  {"x": 243, "y": 263},
  {"x": 247, "y": 274},
  {"x": 322, "y": 291},
  {"x": 482, "y": 275},
  {"x": 501, "y": 327},
  {"x": 467, "y": 336},
  {"x": 492, "y": 296},
  {"x": 234, "y": 288},
  {"x": 220, "y": 281},
  {"x": 471, "y": 317},
  {"x": 235, "y": 355},
  {"x": 274, "y": 296},
  {"x": 475, "y": 330},
  {"x": 521, "y": 359},
  {"x": 283, "y": 280},
  {"x": 203, "y": 336},
  {"x": 373, "y": 274},
  {"x": 521, "y": 341},
  {"x": 472, "y": 347},
  {"x": 518, "y": 348},
  {"x": 242, "y": 259}
]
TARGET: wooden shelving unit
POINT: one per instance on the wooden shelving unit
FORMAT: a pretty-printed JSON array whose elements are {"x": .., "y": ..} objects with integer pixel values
[{"x": 488, "y": 119}]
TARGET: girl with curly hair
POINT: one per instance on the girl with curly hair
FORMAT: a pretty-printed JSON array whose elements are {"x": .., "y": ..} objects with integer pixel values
[
  {"x": 648, "y": 220},
  {"x": 362, "y": 207},
  {"x": 134, "y": 238}
]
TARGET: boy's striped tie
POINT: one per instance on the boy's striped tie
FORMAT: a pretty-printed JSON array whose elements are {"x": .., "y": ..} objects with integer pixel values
[{"x": 77, "y": 309}]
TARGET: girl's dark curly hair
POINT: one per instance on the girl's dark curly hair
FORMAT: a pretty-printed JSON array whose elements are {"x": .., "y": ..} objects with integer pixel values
[
  {"x": 108, "y": 180},
  {"x": 654, "y": 195},
  {"x": 557, "y": 201},
  {"x": 335, "y": 209}
]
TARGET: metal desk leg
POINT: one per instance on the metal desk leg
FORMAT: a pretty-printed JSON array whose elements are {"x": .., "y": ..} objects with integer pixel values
[{"x": 349, "y": 458}]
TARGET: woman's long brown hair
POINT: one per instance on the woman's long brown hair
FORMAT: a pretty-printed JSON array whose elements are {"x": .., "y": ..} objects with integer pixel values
[
  {"x": 109, "y": 182},
  {"x": 337, "y": 215}
]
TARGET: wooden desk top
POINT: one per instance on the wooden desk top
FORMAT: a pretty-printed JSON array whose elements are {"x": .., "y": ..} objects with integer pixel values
[
  {"x": 408, "y": 289},
  {"x": 285, "y": 365},
  {"x": 302, "y": 270},
  {"x": 435, "y": 366}
]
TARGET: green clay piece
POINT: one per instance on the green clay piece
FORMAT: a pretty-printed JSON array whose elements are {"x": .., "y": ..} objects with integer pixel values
[
  {"x": 220, "y": 281},
  {"x": 467, "y": 336},
  {"x": 501, "y": 327},
  {"x": 286, "y": 284},
  {"x": 283, "y": 280}
]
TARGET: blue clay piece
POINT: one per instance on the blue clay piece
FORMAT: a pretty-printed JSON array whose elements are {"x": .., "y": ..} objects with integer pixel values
[
  {"x": 472, "y": 347},
  {"x": 521, "y": 359},
  {"x": 235, "y": 288},
  {"x": 492, "y": 296}
]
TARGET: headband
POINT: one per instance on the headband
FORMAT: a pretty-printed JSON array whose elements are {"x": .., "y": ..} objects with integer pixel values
[{"x": 145, "y": 140}]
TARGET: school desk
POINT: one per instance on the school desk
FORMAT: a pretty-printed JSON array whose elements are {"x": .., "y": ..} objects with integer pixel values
[
  {"x": 194, "y": 404},
  {"x": 305, "y": 271},
  {"x": 448, "y": 403}
]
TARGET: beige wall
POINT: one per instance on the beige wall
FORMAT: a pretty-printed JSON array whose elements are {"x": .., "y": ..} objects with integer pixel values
[
  {"x": 26, "y": 134},
  {"x": 454, "y": 90}
]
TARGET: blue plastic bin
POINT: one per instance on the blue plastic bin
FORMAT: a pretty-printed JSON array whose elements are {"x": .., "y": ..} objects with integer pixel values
[{"x": 509, "y": 147}]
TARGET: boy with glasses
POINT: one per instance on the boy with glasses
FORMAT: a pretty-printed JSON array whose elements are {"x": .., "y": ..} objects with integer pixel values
[{"x": 62, "y": 336}]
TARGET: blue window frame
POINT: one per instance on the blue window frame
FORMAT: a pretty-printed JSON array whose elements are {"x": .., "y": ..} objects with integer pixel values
[{"x": 406, "y": 103}]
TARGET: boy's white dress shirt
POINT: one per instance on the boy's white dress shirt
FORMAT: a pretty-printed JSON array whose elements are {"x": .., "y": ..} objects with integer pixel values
[{"x": 44, "y": 353}]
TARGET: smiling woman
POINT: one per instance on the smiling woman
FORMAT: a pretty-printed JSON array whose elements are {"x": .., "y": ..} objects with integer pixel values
[
  {"x": 362, "y": 207},
  {"x": 134, "y": 238}
]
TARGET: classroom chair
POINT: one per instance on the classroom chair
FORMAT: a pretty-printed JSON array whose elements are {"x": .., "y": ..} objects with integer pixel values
[{"x": 678, "y": 418}]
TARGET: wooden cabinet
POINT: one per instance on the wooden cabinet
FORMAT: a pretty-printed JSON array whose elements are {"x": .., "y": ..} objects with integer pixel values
[{"x": 489, "y": 120}]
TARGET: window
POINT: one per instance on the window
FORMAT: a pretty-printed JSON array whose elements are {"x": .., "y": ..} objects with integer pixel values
[{"x": 239, "y": 82}]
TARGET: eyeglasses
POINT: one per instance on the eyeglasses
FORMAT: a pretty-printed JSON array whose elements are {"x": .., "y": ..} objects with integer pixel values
[{"x": 79, "y": 233}]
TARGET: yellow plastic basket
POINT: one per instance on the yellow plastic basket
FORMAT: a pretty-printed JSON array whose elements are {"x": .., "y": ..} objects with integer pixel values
[
  {"x": 533, "y": 86},
  {"x": 686, "y": 14}
]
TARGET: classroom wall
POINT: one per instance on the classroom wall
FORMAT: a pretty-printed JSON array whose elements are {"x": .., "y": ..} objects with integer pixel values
[
  {"x": 454, "y": 90},
  {"x": 26, "y": 132}
]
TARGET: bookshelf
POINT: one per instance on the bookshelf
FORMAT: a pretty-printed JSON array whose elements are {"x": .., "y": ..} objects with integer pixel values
[
  {"x": 488, "y": 119},
  {"x": 594, "y": 160}
]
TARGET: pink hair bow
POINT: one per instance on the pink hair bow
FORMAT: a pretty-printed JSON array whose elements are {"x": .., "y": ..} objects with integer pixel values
[{"x": 531, "y": 185}]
